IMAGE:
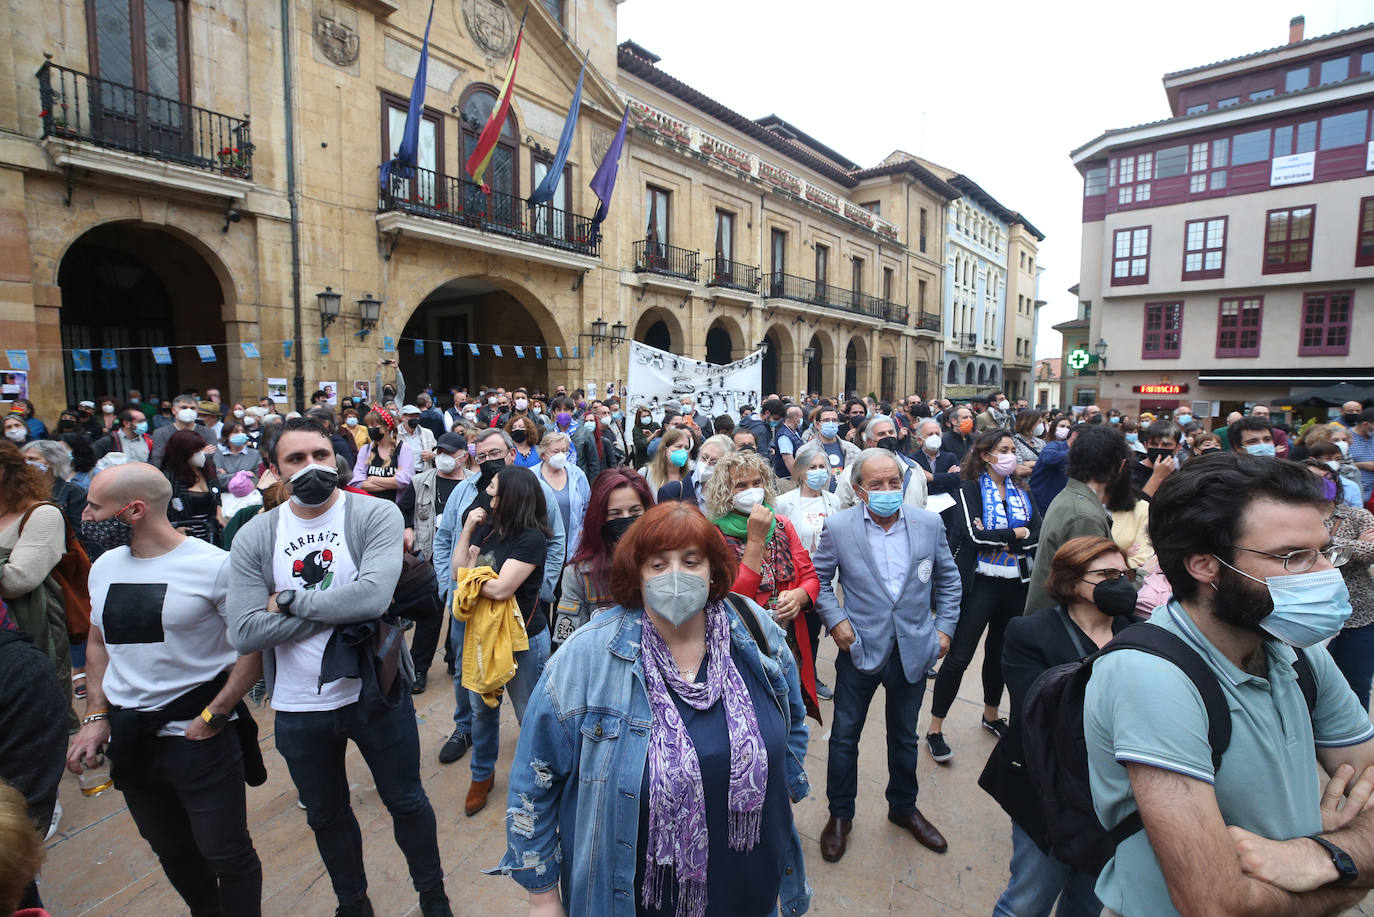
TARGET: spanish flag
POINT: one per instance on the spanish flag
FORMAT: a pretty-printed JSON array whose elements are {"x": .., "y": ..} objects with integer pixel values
[{"x": 491, "y": 133}]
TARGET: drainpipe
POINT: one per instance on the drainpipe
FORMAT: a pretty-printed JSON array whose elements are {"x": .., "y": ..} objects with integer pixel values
[{"x": 291, "y": 198}]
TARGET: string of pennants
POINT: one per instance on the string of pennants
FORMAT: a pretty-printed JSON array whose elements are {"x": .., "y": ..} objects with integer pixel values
[{"x": 85, "y": 359}]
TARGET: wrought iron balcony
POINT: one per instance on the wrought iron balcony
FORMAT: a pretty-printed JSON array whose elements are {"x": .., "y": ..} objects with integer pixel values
[
  {"x": 722, "y": 272},
  {"x": 77, "y": 106},
  {"x": 657, "y": 258},
  {"x": 462, "y": 202},
  {"x": 897, "y": 312},
  {"x": 966, "y": 341},
  {"x": 928, "y": 321},
  {"x": 786, "y": 286}
]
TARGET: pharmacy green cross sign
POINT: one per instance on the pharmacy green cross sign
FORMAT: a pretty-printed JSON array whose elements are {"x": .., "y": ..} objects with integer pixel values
[{"x": 1078, "y": 359}]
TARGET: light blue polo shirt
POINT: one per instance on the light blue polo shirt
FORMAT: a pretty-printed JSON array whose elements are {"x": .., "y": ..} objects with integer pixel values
[{"x": 1142, "y": 709}]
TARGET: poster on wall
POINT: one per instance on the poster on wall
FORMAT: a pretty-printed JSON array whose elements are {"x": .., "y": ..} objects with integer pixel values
[
  {"x": 362, "y": 389},
  {"x": 331, "y": 392},
  {"x": 276, "y": 389},
  {"x": 15, "y": 385},
  {"x": 657, "y": 377}
]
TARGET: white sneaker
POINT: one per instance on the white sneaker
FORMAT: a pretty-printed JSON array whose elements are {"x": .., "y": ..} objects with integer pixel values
[{"x": 56, "y": 820}]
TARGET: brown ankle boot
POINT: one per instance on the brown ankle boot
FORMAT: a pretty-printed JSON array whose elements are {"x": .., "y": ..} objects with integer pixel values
[{"x": 477, "y": 796}]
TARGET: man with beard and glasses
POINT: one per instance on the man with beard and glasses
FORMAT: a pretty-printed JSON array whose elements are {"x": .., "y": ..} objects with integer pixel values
[
  {"x": 1255, "y": 592},
  {"x": 495, "y": 450}
]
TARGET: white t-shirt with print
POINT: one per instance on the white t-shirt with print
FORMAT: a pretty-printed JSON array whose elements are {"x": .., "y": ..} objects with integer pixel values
[
  {"x": 163, "y": 620},
  {"x": 311, "y": 554}
]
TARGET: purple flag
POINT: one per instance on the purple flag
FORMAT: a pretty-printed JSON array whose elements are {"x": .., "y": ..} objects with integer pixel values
[{"x": 603, "y": 182}]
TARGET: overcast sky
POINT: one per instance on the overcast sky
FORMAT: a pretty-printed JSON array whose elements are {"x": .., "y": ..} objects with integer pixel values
[{"x": 999, "y": 91}]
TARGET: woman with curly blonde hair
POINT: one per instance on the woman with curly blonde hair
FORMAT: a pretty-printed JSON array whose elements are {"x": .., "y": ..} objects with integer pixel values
[{"x": 775, "y": 569}]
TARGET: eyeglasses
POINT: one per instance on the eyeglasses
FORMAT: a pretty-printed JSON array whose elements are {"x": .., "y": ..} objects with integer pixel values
[
  {"x": 1111, "y": 574},
  {"x": 488, "y": 456},
  {"x": 1305, "y": 559}
]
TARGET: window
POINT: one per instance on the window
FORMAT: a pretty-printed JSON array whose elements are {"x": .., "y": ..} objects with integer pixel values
[
  {"x": 426, "y": 187},
  {"x": 1250, "y": 147},
  {"x": 1334, "y": 71},
  {"x": 1227, "y": 103},
  {"x": 1095, "y": 182},
  {"x": 1204, "y": 248},
  {"x": 657, "y": 210},
  {"x": 873, "y": 207},
  {"x": 1364, "y": 242},
  {"x": 144, "y": 44},
  {"x": 1131, "y": 256},
  {"x": 1207, "y": 165},
  {"x": 503, "y": 205},
  {"x": 1238, "y": 326},
  {"x": 777, "y": 244},
  {"x": 1261, "y": 94},
  {"x": 822, "y": 267},
  {"x": 725, "y": 244},
  {"x": 1133, "y": 178},
  {"x": 1288, "y": 240},
  {"x": 887, "y": 284},
  {"x": 888, "y": 384},
  {"x": 1297, "y": 79},
  {"x": 856, "y": 275},
  {"x": 1367, "y": 62},
  {"x": 555, "y": 8},
  {"x": 921, "y": 295},
  {"x": 1163, "y": 330},
  {"x": 552, "y": 218},
  {"x": 923, "y": 218},
  {"x": 1171, "y": 161},
  {"x": 1023, "y": 261},
  {"x": 1343, "y": 130},
  {"x": 1325, "y": 324},
  {"x": 1196, "y": 109}
]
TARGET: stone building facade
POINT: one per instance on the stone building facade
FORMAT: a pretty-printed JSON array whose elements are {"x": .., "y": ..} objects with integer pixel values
[{"x": 177, "y": 173}]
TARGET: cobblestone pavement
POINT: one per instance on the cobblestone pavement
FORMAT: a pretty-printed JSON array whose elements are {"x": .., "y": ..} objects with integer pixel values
[{"x": 98, "y": 864}]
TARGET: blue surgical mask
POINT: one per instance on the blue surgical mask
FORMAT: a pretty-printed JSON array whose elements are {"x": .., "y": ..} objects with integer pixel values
[
  {"x": 238, "y": 439},
  {"x": 1260, "y": 449},
  {"x": 773, "y": 424},
  {"x": 678, "y": 457},
  {"x": 884, "y": 502},
  {"x": 1132, "y": 437},
  {"x": 818, "y": 478},
  {"x": 1308, "y": 607},
  {"x": 1184, "y": 419},
  {"x": 1114, "y": 419},
  {"x": 829, "y": 429},
  {"x": 141, "y": 427},
  {"x": 617, "y": 416}
]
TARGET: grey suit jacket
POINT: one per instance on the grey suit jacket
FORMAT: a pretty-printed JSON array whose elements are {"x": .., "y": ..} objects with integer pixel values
[{"x": 881, "y": 622}]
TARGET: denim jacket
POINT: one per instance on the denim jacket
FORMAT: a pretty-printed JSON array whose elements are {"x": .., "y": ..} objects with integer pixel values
[{"x": 574, "y": 805}]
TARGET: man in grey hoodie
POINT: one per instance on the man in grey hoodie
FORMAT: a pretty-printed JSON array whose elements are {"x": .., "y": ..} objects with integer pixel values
[{"x": 323, "y": 560}]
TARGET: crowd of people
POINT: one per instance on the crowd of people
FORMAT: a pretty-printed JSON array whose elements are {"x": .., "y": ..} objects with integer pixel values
[{"x": 650, "y": 589}]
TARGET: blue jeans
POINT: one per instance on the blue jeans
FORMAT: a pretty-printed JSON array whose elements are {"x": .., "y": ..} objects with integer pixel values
[
  {"x": 853, "y": 693},
  {"x": 1353, "y": 653},
  {"x": 1037, "y": 880},
  {"x": 462, "y": 710},
  {"x": 486, "y": 722},
  {"x": 313, "y": 745}
]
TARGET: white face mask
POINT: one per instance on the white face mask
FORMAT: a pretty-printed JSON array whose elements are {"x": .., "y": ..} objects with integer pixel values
[
  {"x": 445, "y": 463},
  {"x": 1039, "y": 429},
  {"x": 187, "y": 415},
  {"x": 521, "y": 404},
  {"x": 238, "y": 415},
  {"x": 704, "y": 472},
  {"x": 932, "y": 442},
  {"x": 1344, "y": 447},
  {"x": 107, "y": 409},
  {"x": 1061, "y": 432},
  {"x": 491, "y": 400},
  {"x": 557, "y": 460},
  {"x": 16, "y": 436},
  {"x": 1334, "y": 466},
  {"x": 470, "y": 416},
  {"x": 746, "y": 500},
  {"x": 198, "y": 460},
  {"x": 1004, "y": 405}
]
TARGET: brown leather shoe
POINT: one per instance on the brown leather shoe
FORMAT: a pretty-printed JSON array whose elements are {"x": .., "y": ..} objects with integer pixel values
[
  {"x": 926, "y": 834},
  {"x": 477, "y": 796},
  {"x": 832, "y": 838}
]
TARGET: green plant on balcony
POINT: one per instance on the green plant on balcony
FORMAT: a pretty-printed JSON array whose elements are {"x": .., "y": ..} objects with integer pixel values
[{"x": 233, "y": 162}]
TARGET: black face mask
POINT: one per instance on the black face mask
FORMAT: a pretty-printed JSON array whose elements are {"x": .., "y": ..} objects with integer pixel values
[
  {"x": 519, "y": 436},
  {"x": 1350, "y": 420},
  {"x": 1115, "y": 597},
  {"x": 1155, "y": 454},
  {"x": 857, "y": 421},
  {"x": 490, "y": 467},
  {"x": 313, "y": 485},
  {"x": 613, "y": 529},
  {"x": 375, "y": 434},
  {"x": 109, "y": 533},
  {"x": 890, "y": 443},
  {"x": 1096, "y": 418}
]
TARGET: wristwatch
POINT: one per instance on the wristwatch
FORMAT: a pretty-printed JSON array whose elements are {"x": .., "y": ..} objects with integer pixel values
[
  {"x": 214, "y": 720},
  {"x": 284, "y": 600},
  {"x": 1349, "y": 872}
]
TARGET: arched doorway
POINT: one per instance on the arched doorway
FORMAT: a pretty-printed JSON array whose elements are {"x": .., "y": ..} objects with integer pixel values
[
  {"x": 478, "y": 310},
  {"x": 814, "y": 381},
  {"x": 851, "y": 370},
  {"x": 718, "y": 345},
  {"x": 968, "y": 374},
  {"x": 982, "y": 374},
  {"x": 659, "y": 328},
  {"x": 772, "y": 365},
  {"x": 129, "y": 287},
  {"x": 953, "y": 377}
]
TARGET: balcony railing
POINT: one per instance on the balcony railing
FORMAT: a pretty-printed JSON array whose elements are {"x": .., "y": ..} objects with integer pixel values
[
  {"x": 965, "y": 341},
  {"x": 786, "y": 286},
  {"x": 77, "y": 106},
  {"x": 722, "y": 272},
  {"x": 657, "y": 258},
  {"x": 463, "y": 203},
  {"x": 896, "y": 312},
  {"x": 928, "y": 321}
]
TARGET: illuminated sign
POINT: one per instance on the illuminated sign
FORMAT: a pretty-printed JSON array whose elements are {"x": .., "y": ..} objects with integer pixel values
[
  {"x": 1079, "y": 359},
  {"x": 1160, "y": 389}
]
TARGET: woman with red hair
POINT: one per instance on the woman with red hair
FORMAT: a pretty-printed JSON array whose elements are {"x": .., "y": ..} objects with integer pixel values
[
  {"x": 663, "y": 742},
  {"x": 618, "y": 497}
]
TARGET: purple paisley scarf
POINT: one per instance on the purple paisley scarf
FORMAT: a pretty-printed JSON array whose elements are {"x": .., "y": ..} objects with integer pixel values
[{"x": 677, "y": 804}]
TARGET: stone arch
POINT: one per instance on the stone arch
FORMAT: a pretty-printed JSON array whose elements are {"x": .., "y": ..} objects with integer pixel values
[
  {"x": 982, "y": 374},
  {"x": 969, "y": 374},
  {"x": 780, "y": 362},
  {"x": 953, "y": 377},
  {"x": 660, "y": 316},
  {"x": 725, "y": 338}
]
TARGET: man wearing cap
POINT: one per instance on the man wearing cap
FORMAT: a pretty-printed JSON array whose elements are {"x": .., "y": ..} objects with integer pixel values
[
  {"x": 421, "y": 505},
  {"x": 90, "y": 424},
  {"x": 419, "y": 438},
  {"x": 185, "y": 409},
  {"x": 211, "y": 417}
]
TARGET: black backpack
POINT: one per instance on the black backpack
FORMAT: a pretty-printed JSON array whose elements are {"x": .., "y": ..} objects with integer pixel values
[{"x": 1056, "y": 754}]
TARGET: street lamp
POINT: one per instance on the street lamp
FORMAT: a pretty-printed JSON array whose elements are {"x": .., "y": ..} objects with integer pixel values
[
  {"x": 809, "y": 354},
  {"x": 762, "y": 346},
  {"x": 599, "y": 335},
  {"x": 329, "y": 306},
  {"x": 1100, "y": 348},
  {"x": 369, "y": 312}
]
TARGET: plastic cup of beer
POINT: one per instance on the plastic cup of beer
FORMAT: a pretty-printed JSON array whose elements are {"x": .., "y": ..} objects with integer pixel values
[{"x": 95, "y": 776}]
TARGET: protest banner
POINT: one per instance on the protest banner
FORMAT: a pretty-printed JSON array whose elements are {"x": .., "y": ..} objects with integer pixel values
[{"x": 657, "y": 377}]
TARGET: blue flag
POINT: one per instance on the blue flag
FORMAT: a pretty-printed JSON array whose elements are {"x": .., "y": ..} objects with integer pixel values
[
  {"x": 207, "y": 352},
  {"x": 403, "y": 164},
  {"x": 162, "y": 356},
  {"x": 574, "y": 352},
  {"x": 389, "y": 345},
  {"x": 286, "y": 349},
  {"x": 558, "y": 352},
  {"x": 419, "y": 346},
  {"x": 19, "y": 359},
  {"x": 448, "y": 348},
  {"x": 544, "y": 193},
  {"x": 108, "y": 360},
  {"x": 603, "y": 182},
  {"x": 496, "y": 349},
  {"x": 324, "y": 346},
  {"x": 250, "y": 350},
  {"x": 520, "y": 353},
  {"x": 476, "y": 351},
  {"x": 81, "y": 361},
  {"x": 539, "y": 353}
]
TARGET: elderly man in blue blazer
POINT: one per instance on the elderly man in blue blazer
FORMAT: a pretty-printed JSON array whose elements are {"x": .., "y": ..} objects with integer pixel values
[{"x": 894, "y": 568}]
